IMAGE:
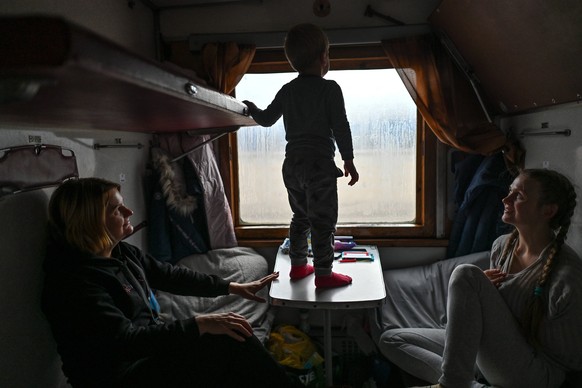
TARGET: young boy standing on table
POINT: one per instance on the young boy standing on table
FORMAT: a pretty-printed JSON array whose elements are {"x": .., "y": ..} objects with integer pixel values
[{"x": 315, "y": 120}]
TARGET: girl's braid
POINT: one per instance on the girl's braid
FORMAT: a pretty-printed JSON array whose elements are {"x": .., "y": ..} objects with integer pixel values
[
  {"x": 510, "y": 243},
  {"x": 555, "y": 189}
]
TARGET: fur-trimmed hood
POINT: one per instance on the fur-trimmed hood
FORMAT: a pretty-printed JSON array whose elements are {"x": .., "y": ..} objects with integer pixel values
[{"x": 172, "y": 183}]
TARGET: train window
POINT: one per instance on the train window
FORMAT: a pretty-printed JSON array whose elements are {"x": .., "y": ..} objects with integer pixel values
[{"x": 390, "y": 153}]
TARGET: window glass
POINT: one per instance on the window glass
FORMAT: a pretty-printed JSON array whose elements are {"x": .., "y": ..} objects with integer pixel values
[{"x": 383, "y": 119}]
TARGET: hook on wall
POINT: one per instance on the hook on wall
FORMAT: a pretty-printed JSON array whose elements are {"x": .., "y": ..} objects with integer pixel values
[{"x": 98, "y": 146}]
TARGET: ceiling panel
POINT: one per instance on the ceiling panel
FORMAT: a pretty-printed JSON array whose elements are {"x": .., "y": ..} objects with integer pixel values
[{"x": 525, "y": 53}]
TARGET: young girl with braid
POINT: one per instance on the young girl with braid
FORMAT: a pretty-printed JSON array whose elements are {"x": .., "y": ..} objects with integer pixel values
[{"x": 519, "y": 322}]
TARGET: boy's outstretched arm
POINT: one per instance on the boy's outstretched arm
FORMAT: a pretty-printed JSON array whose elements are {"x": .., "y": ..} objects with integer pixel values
[
  {"x": 267, "y": 117},
  {"x": 350, "y": 169}
]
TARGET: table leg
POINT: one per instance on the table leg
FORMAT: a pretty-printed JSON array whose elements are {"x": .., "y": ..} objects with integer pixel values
[{"x": 327, "y": 348}]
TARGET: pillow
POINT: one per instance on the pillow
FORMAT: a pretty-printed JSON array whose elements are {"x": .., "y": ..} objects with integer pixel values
[{"x": 238, "y": 264}]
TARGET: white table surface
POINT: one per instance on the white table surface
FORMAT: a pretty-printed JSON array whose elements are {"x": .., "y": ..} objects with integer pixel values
[
  {"x": 366, "y": 291},
  {"x": 367, "y": 288}
]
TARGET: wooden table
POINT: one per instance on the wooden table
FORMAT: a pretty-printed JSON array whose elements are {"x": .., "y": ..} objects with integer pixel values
[{"x": 366, "y": 291}]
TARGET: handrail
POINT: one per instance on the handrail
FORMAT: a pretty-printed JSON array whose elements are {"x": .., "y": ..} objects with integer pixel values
[{"x": 565, "y": 132}]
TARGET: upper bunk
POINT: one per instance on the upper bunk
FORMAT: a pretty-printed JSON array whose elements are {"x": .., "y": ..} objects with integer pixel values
[{"x": 54, "y": 74}]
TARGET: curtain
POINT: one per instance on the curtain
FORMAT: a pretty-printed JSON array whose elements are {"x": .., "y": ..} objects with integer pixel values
[
  {"x": 450, "y": 107},
  {"x": 226, "y": 63},
  {"x": 445, "y": 98}
]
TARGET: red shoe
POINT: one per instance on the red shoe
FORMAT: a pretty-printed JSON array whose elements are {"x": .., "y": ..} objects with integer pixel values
[
  {"x": 300, "y": 271},
  {"x": 332, "y": 281}
]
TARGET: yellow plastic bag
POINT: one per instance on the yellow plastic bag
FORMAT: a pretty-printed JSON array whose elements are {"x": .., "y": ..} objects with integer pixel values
[{"x": 293, "y": 348}]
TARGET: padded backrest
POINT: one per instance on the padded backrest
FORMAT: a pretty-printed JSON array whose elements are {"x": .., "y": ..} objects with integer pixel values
[
  {"x": 29, "y": 357},
  {"x": 416, "y": 296}
]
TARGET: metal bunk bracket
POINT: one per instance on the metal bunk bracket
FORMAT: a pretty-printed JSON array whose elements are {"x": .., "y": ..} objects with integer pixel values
[
  {"x": 466, "y": 69},
  {"x": 211, "y": 139}
]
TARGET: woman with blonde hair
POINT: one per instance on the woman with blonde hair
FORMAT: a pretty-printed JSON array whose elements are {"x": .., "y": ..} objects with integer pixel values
[{"x": 99, "y": 301}]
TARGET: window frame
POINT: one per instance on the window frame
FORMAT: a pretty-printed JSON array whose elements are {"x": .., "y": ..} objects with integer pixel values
[{"x": 423, "y": 232}]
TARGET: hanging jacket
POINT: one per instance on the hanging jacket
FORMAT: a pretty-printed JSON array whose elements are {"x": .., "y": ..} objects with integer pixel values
[
  {"x": 477, "y": 222},
  {"x": 177, "y": 224}
]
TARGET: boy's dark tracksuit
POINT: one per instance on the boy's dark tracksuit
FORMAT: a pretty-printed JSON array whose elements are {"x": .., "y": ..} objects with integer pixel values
[{"x": 315, "y": 118}]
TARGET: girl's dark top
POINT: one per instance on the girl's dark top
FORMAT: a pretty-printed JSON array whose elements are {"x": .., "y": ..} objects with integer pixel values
[{"x": 100, "y": 315}]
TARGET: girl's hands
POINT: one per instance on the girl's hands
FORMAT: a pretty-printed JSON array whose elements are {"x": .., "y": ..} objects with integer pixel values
[
  {"x": 249, "y": 290},
  {"x": 231, "y": 324},
  {"x": 496, "y": 276}
]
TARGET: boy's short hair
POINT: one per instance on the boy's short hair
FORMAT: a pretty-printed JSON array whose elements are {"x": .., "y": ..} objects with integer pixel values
[{"x": 304, "y": 44}]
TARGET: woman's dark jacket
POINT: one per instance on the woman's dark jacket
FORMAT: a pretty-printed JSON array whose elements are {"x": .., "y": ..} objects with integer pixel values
[{"x": 100, "y": 315}]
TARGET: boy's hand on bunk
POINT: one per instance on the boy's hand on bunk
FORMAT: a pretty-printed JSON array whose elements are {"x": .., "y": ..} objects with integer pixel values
[
  {"x": 252, "y": 107},
  {"x": 350, "y": 169},
  {"x": 249, "y": 290},
  {"x": 496, "y": 276},
  {"x": 231, "y": 324}
]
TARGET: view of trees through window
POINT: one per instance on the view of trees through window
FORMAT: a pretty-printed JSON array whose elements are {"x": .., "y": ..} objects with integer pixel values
[{"x": 383, "y": 119}]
